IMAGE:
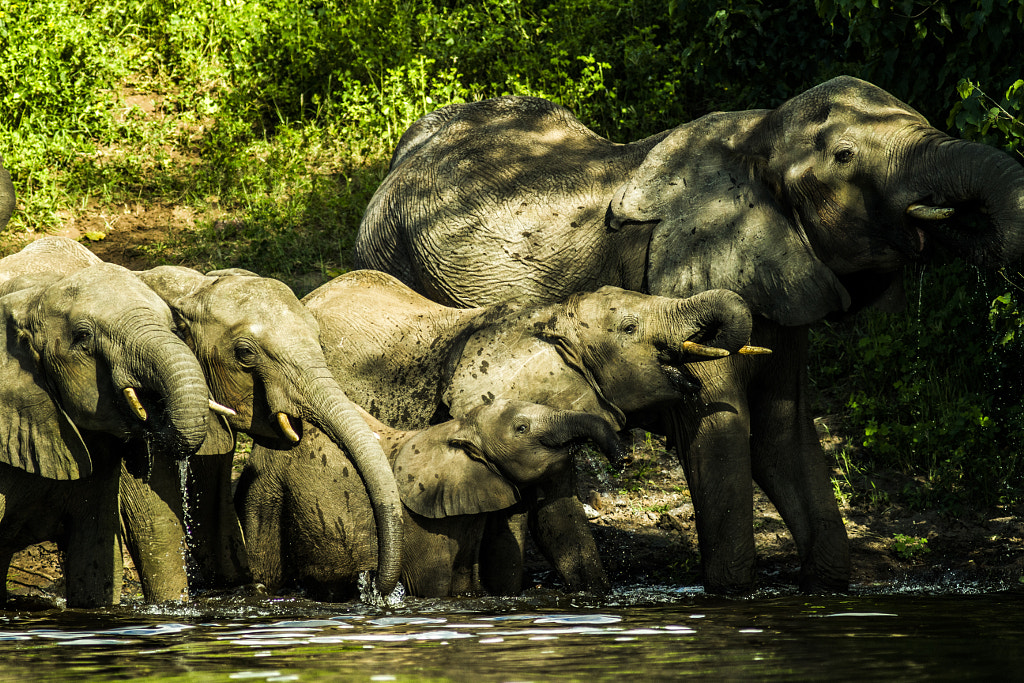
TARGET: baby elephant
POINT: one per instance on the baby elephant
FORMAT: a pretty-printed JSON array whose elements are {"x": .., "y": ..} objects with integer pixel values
[{"x": 308, "y": 522}]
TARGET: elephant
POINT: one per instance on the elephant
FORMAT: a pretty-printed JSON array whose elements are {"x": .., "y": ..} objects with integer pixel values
[
  {"x": 613, "y": 353},
  {"x": 8, "y": 197},
  {"x": 93, "y": 376},
  {"x": 260, "y": 353},
  {"x": 807, "y": 210},
  {"x": 308, "y": 523}
]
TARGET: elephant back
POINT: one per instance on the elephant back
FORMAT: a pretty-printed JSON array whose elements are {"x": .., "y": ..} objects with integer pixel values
[
  {"x": 387, "y": 345},
  {"x": 51, "y": 255}
]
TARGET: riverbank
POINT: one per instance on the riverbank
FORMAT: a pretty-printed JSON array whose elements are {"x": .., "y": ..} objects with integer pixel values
[
  {"x": 643, "y": 521},
  {"x": 643, "y": 517}
]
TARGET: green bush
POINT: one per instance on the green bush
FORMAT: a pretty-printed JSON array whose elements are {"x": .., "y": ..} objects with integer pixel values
[{"x": 275, "y": 121}]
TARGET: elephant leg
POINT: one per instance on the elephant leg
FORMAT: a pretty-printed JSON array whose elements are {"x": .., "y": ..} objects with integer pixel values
[
  {"x": 711, "y": 437},
  {"x": 260, "y": 498},
  {"x": 501, "y": 552},
  {"x": 216, "y": 548},
  {"x": 6, "y": 555},
  {"x": 153, "y": 520},
  {"x": 789, "y": 465},
  {"x": 561, "y": 531},
  {"x": 92, "y": 542}
]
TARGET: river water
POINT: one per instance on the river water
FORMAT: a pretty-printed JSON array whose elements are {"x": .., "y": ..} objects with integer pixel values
[{"x": 640, "y": 633}]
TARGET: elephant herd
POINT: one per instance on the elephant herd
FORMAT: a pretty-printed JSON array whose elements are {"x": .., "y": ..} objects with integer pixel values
[{"x": 525, "y": 286}]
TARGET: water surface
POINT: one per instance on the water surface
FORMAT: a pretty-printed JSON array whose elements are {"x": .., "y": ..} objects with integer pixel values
[{"x": 658, "y": 633}]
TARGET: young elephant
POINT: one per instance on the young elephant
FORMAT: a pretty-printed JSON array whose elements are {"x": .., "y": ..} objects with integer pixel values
[
  {"x": 615, "y": 353},
  {"x": 92, "y": 374},
  {"x": 259, "y": 349},
  {"x": 308, "y": 521}
]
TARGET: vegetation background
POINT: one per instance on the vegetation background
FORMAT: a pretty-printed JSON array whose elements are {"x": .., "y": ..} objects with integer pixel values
[{"x": 268, "y": 124}]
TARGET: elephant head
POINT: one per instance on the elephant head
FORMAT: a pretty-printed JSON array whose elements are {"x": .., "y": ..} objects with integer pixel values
[
  {"x": 96, "y": 351},
  {"x": 46, "y": 256},
  {"x": 260, "y": 351},
  {"x": 612, "y": 352},
  {"x": 7, "y": 196},
  {"x": 812, "y": 207},
  {"x": 477, "y": 463}
]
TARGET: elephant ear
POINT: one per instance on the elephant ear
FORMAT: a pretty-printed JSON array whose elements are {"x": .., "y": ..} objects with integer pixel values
[
  {"x": 533, "y": 355},
  {"x": 220, "y": 438},
  {"x": 720, "y": 226},
  {"x": 443, "y": 475},
  {"x": 36, "y": 434}
]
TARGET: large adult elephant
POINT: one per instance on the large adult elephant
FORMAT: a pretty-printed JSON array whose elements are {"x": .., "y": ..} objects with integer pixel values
[
  {"x": 260, "y": 351},
  {"x": 308, "y": 521},
  {"x": 92, "y": 374},
  {"x": 614, "y": 353},
  {"x": 804, "y": 210}
]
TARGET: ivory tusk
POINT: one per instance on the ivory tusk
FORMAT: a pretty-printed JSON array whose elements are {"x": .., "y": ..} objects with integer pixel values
[
  {"x": 221, "y": 409},
  {"x": 286, "y": 427},
  {"x": 706, "y": 351},
  {"x": 134, "y": 404},
  {"x": 929, "y": 213},
  {"x": 753, "y": 350}
]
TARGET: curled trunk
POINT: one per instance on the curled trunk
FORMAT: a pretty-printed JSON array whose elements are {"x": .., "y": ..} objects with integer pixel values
[
  {"x": 972, "y": 176},
  {"x": 174, "y": 388},
  {"x": 722, "y": 318},
  {"x": 571, "y": 426}
]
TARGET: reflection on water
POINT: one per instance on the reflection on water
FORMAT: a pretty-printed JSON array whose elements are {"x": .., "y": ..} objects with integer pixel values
[{"x": 646, "y": 633}]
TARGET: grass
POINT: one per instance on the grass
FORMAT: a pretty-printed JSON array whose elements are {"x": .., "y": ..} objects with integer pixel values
[{"x": 270, "y": 128}]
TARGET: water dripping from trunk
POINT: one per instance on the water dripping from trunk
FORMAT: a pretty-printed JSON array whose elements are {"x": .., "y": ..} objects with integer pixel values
[
  {"x": 370, "y": 595},
  {"x": 186, "y": 521}
]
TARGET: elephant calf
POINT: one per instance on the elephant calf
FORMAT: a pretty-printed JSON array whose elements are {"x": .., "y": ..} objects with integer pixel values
[
  {"x": 308, "y": 521},
  {"x": 614, "y": 353}
]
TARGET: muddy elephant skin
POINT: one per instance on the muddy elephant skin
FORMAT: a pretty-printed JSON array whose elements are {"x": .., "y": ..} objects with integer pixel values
[
  {"x": 805, "y": 210},
  {"x": 308, "y": 522}
]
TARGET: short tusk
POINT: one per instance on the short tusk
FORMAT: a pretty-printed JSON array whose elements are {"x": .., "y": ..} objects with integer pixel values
[
  {"x": 134, "y": 404},
  {"x": 221, "y": 409},
  {"x": 706, "y": 351},
  {"x": 286, "y": 427},
  {"x": 753, "y": 350},
  {"x": 929, "y": 213}
]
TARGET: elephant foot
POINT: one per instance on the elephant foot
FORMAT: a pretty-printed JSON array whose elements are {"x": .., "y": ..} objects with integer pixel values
[{"x": 825, "y": 580}]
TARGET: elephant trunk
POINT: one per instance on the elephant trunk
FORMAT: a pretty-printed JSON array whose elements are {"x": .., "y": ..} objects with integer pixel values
[
  {"x": 569, "y": 427},
  {"x": 972, "y": 175},
  {"x": 7, "y": 196},
  {"x": 720, "y": 317},
  {"x": 339, "y": 418},
  {"x": 172, "y": 388}
]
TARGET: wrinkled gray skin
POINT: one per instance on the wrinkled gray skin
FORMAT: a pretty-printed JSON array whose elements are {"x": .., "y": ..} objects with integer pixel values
[
  {"x": 806, "y": 210},
  {"x": 308, "y": 522},
  {"x": 260, "y": 351},
  {"x": 72, "y": 348},
  {"x": 8, "y": 198},
  {"x": 613, "y": 353}
]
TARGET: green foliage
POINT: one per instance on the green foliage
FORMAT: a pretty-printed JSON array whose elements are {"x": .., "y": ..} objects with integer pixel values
[
  {"x": 910, "y": 547},
  {"x": 929, "y": 390},
  {"x": 273, "y": 122}
]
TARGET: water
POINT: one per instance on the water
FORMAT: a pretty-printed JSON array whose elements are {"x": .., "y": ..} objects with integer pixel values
[{"x": 645, "y": 634}]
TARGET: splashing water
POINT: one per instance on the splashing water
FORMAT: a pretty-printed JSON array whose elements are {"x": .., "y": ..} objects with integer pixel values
[{"x": 369, "y": 594}]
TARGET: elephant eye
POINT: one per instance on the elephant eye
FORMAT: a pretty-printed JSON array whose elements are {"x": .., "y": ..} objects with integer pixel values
[
  {"x": 245, "y": 355},
  {"x": 629, "y": 326},
  {"x": 81, "y": 337},
  {"x": 844, "y": 156},
  {"x": 522, "y": 428}
]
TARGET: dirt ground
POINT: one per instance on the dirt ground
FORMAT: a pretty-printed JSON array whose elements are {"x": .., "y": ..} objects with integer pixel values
[{"x": 643, "y": 517}]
